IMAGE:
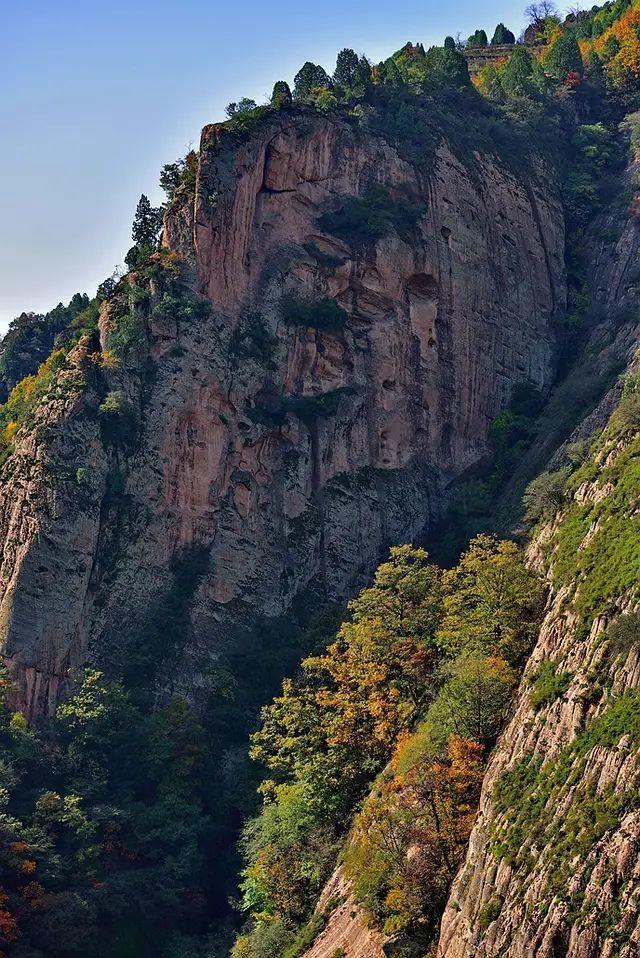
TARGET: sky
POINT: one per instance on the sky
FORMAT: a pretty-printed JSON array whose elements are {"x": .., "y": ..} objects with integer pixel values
[{"x": 95, "y": 97}]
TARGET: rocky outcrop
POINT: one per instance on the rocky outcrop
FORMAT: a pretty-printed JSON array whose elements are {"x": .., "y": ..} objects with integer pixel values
[
  {"x": 572, "y": 885},
  {"x": 346, "y": 932},
  {"x": 273, "y": 448},
  {"x": 580, "y": 901}
]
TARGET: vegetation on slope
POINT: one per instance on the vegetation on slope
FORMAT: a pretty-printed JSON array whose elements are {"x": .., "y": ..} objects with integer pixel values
[{"x": 425, "y": 650}]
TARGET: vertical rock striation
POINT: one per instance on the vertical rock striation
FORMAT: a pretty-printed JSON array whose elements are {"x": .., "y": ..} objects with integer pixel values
[{"x": 274, "y": 450}]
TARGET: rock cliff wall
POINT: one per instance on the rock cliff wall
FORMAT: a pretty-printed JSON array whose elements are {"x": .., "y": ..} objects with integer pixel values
[
  {"x": 552, "y": 865},
  {"x": 273, "y": 448}
]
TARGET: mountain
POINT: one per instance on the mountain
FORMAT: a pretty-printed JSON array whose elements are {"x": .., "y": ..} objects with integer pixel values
[{"x": 377, "y": 311}]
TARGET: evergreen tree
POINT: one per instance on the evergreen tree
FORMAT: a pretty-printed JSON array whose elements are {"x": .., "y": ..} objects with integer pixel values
[
  {"x": 146, "y": 223},
  {"x": 390, "y": 74},
  {"x": 449, "y": 43},
  {"x": 478, "y": 39},
  {"x": 242, "y": 106},
  {"x": 488, "y": 82},
  {"x": 346, "y": 73},
  {"x": 502, "y": 36},
  {"x": 307, "y": 78},
  {"x": 517, "y": 75},
  {"x": 564, "y": 57},
  {"x": 281, "y": 96},
  {"x": 445, "y": 67}
]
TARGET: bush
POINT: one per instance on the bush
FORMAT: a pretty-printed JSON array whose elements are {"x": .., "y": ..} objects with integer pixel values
[
  {"x": 624, "y": 634},
  {"x": 545, "y": 495},
  {"x": 360, "y": 221},
  {"x": 627, "y": 416},
  {"x": 116, "y": 418},
  {"x": 490, "y": 911},
  {"x": 323, "y": 314},
  {"x": 548, "y": 684}
]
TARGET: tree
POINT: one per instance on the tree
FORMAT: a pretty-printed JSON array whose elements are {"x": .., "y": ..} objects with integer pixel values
[
  {"x": 517, "y": 75},
  {"x": 564, "y": 57},
  {"x": 539, "y": 11},
  {"x": 478, "y": 39},
  {"x": 502, "y": 36},
  {"x": 543, "y": 19},
  {"x": 245, "y": 105},
  {"x": 281, "y": 96},
  {"x": 354, "y": 700},
  {"x": 473, "y": 701},
  {"x": 411, "y": 835},
  {"x": 544, "y": 495},
  {"x": 444, "y": 67},
  {"x": 179, "y": 174},
  {"x": 146, "y": 223},
  {"x": 488, "y": 83},
  {"x": 449, "y": 43},
  {"x": 390, "y": 74},
  {"x": 492, "y": 601},
  {"x": 307, "y": 78},
  {"x": 346, "y": 73}
]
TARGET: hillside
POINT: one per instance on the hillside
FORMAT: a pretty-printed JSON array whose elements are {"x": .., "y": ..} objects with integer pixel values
[{"x": 372, "y": 316}]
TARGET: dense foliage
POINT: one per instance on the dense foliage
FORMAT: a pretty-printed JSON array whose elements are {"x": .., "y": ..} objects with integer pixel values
[
  {"x": 30, "y": 340},
  {"x": 422, "y": 648}
]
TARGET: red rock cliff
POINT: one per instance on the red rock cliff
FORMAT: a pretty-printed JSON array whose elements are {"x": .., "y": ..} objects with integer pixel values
[{"x": 279, "y": 453}]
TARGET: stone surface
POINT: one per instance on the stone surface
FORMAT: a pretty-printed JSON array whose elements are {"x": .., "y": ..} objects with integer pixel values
[
  {"x": 606, "y": 881},
  {"x": 233, "y": 462},
  {"x": 346, "y": 929}
]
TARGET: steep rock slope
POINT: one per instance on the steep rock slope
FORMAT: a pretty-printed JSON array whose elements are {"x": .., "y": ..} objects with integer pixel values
[
  {"x": 552, "y": 862},
  {"x": 274, "y": 442}
]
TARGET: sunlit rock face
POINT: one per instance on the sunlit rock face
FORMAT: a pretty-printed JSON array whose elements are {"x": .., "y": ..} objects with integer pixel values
[{"x": 277, "y": 453}]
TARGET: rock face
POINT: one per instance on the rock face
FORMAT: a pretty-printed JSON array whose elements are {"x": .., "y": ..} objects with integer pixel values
[
  {"x": 580, "y": 902},
  {"x": 273, "y": 450},
  {"x": 346, "y": 931},
  {"x": 571, "y": 887}
]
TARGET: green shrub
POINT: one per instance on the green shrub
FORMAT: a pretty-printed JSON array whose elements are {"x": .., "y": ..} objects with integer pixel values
[
  {"x": 251, "y": 339},
  {"x": 527, "y": 797},
  {"x": 117, "y": 420},
  {"x": 624, "y": 634},
  {"x": 544, "y": 496},
  {"x": 306, "y": 936},
  {"x": 323, "y": 314},
  {"x": 627, "y": 416},
  {"x": 490, "y": 911},
  {"x": 548, "y": 684},
  {"x": 361, "y": 220}
]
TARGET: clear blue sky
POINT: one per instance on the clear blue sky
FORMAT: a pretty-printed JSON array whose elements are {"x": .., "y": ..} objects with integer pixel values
[{"x": 97, "y": 96}]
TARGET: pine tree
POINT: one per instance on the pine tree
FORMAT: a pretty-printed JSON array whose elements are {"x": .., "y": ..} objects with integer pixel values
[
  {"x": 281, "y": 96},
  {"x": 478, "y": 39},
  {"x": 346, "y": 71},
  {"x": 146, "y": 223},
  {"x": 516, "y": 77},
  {"x": 564, "y": 57},
  {"x": 502, "y": 36},
  {"x": 307, "y": 78}
]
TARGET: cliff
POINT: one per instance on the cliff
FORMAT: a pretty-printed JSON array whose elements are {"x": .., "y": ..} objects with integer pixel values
[
  {"x": 291, "y": 393},
  {"x": 552, "y": 862}
]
